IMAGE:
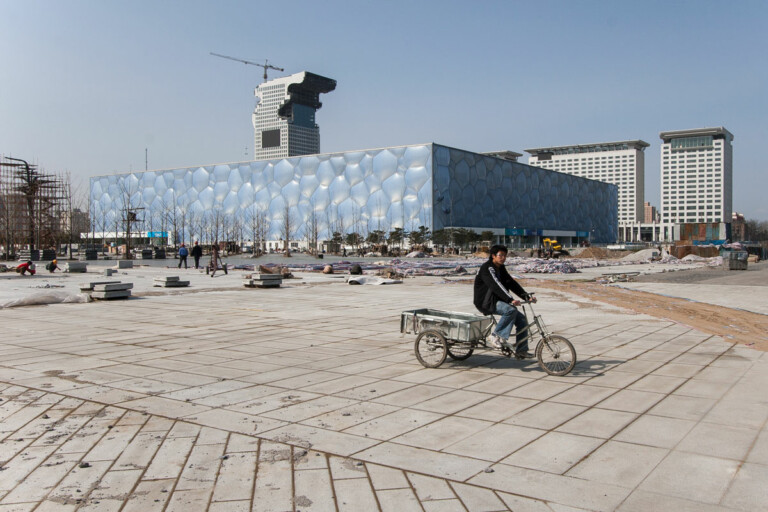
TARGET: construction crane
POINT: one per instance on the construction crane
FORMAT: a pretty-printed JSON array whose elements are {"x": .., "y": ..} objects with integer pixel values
[{"x": 266, "y": 64}]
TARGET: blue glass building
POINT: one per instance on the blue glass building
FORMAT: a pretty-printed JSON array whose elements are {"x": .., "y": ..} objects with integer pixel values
[{"x": 377, "y": 189}]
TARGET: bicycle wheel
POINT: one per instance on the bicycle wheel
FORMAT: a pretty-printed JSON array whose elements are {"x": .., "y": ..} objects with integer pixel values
[
  {"x": 460, "y": 351},
  {"x": 430, "y": 348},
  {"x": 556, "y": 355}
]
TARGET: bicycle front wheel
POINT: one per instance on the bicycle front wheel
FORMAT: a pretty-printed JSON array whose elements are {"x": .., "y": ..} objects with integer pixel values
[
  {"x": 430, "y": 348},
  {"x": 556, "y": 355}
]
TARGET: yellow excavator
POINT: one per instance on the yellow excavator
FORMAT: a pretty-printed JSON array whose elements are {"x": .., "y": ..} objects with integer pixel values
[{"x": 552, "y": 248}]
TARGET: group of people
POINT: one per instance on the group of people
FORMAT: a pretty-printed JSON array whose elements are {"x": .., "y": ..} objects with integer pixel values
[
  {"x": 28, "y": 267},
  {"x": 197, "y": 253}
]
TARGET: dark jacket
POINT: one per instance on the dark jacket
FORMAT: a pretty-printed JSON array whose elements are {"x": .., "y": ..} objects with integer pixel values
[
  {"x": 197, "y": 251},
  {"x": 492, "y": 285}
]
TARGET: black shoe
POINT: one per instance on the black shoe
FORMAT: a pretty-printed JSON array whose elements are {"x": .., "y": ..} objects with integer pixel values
[{"x": 524, "y": 355}]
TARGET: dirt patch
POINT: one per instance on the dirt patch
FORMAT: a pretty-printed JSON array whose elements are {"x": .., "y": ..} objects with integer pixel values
[{"x": 732, "y": 325}]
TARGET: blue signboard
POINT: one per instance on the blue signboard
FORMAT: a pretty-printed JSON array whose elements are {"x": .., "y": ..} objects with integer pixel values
[{"x": 157, "y": 234}]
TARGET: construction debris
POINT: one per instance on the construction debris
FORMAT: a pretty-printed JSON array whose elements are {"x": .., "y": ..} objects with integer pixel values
[{"x": 372, "y": 280}]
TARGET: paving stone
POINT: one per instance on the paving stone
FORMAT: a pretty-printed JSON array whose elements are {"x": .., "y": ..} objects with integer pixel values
[
  {"x": 149, "y": 496},
  {"x": 656, "y": 431},
  {"x": 274, "y": 480},
  {"x": 619, "y": 464},
  {"x": 354, "y": 495},
  {"x": 545, "y": 415},
  {"x": 691, "y": 476},
  {"x": 399, "y": 500},
  {"x": 554, "y": 452},
  {"x": 386, "y": 478},
  {"x": 170, "y": 458},
  {"x": 747, "y": 492},
  {"x": 598, "y": 423},
  {"x": 495, "y": 442},
  {"x": 631, "y": 401},
  {"x": 716, "y": 440},
  {"x": 554, "y": 488},
  {"x": 478, "y": 499},
  {"x": 313, "y": 490},
  {"x": 643, "y": 501}
]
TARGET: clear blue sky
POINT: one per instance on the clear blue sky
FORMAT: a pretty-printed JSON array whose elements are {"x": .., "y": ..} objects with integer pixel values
[{"x": 87, "y": 85}]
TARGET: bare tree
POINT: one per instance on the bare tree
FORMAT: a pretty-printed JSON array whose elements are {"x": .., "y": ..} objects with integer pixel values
[
  {"x": 256, "y": 220},
  {"x": 288, "y": 228},
  {"x": 216, "y": 220},
  {"x": 130, "y": 211},
  {"x": 195, "y": 221},
  {"x": 312, "y": 232},
  {"x": 183, "y": 218}
]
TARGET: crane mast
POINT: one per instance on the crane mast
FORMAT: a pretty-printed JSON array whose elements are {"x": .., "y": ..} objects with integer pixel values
[{"x": 266, "y": 64}]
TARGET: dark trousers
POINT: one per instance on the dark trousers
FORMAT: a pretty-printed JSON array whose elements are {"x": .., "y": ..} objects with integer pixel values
[
  {"x": 197, "y": 261},
  {"x": 183, "y": 259}
]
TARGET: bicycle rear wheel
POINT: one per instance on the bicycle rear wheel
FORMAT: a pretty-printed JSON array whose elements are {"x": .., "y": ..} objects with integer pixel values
[
  {"x": 556, "y": 355},
  {"x": 430, "y": 348},
  {"x": 460, "y": 350}
]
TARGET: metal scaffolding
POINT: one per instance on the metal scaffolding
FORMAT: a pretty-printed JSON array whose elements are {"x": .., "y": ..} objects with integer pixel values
[{"x": 33, "y": 207}]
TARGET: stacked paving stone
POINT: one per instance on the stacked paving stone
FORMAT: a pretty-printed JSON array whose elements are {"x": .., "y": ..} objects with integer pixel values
[
  {"x": 76, "y": 266},
  {"x": 91, "y": 254},
  {"x": 169, "y": 282},
  {"x": 263, "y": 281},
  {"x": 146, "y": 254},
  {"x": 124, "y": 263},
  {"x": 159, "y": 254},
  {"x": 109, "y": 291}
]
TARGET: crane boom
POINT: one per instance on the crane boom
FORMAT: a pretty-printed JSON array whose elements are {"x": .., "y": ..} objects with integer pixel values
[{"x": 266, "y": 64}]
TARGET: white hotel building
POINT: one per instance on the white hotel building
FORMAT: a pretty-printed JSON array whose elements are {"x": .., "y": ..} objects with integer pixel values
[
  {"x": 619, "y": 163},
  {"x": 696, "y": 176},
  {"x": 284, "y": 119}
]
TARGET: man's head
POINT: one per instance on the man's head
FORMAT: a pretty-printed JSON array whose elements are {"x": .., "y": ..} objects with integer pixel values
[
  {"x": 498, "y": 254},
  {"x": 195, "y": 242}
]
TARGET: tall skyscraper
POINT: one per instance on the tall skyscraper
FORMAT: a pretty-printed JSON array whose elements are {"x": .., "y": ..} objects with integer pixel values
[
  {"x": 696, "y": 175},
  {"x": 620, "y": 163},
  {"x": 284, "y": 119}
]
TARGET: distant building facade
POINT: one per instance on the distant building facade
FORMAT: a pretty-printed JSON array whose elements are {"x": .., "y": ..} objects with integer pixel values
[
  {"x": 619, "y": 163},
  {"x": 378, "y": 189},
  {"x": 696, "y": 176},
  {"x": 649, "y": 213},
  {"x": 284, "y": 118}
]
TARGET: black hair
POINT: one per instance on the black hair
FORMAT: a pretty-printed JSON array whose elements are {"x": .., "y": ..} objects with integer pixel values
[{"x": 496, "y": 249}]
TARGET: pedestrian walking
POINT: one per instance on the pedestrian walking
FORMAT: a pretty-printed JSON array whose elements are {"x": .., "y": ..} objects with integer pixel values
[
  {"x": 197, "y": 253},
  {"x": 215, "y": 259},
  {"x": 183, "y": 252}
]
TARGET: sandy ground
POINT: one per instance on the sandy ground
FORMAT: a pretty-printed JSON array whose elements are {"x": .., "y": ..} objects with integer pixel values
[{"x": 734, "y": 325}]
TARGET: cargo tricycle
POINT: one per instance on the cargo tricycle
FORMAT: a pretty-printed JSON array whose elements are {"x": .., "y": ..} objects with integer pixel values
[{"x": 442, "y": 334}]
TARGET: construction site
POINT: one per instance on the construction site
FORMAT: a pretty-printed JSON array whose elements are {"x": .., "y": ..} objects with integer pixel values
[{"x": 35, "y": 209}]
